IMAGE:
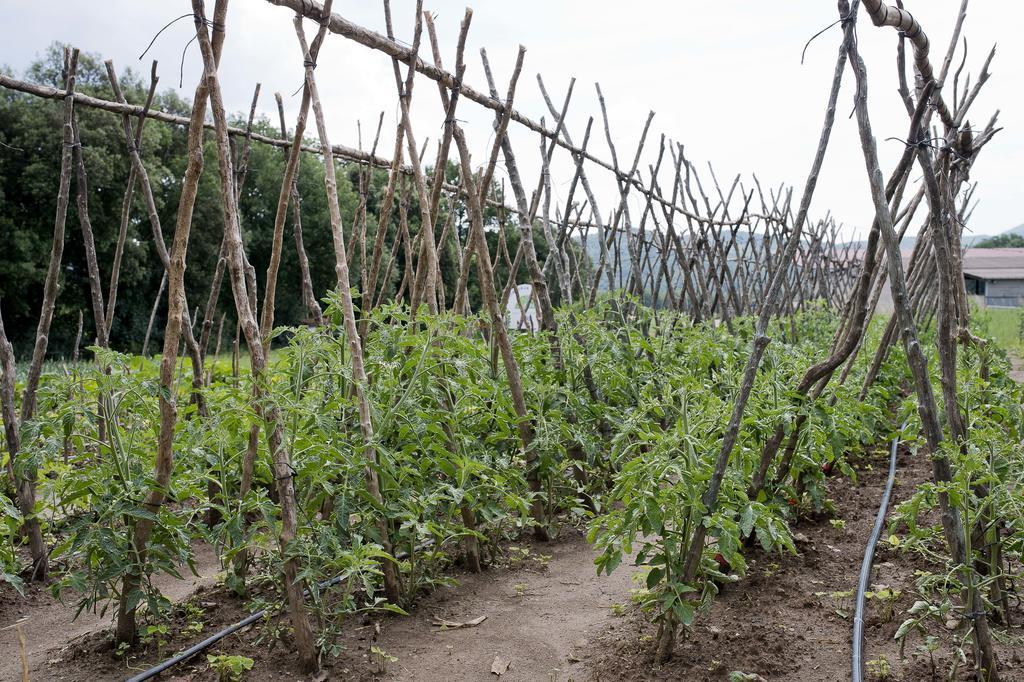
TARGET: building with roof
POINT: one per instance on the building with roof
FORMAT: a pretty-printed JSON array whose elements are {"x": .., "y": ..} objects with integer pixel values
[
  {"x": 995, "y": 276},
  {"x": 992, "y": 277}
]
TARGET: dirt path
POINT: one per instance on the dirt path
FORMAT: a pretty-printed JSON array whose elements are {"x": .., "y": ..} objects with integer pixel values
[
  {"x": 541, "y": 617},
  {"x": 542, "y": 611},
  {"x": 789, "y": 620},
  {"x": 1016, "y": 369},
  {"x": 51, "y": 627}
]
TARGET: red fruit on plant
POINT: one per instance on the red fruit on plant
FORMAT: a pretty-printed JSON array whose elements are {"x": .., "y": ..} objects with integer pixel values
[
  {"x": 828, "y": 468},
  {"x": 793, "y": 502},
  {"x": 723, "y": 565}
]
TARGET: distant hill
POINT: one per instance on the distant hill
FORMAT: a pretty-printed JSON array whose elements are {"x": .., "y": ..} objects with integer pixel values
[
  {"x": 969, "y": 240},
  {"x": 1007, "y": 240},
  {"x": 972, "y": 240}
]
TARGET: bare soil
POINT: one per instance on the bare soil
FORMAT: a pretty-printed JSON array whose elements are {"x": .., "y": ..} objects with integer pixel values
[
  {"x": 542, "y": 617},
  {"x": 51, "y": 630},
  {"x": 552, "y": 618}
]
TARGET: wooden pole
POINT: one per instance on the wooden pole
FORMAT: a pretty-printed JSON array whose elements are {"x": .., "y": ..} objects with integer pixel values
[{"x": 392, "y": 586}]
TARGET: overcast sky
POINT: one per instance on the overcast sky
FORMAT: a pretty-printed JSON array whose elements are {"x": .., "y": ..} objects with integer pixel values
[{"x": 724, "y": 78}]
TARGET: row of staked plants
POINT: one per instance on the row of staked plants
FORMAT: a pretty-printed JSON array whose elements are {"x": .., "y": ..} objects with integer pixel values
[
  {"x": 631, "y": 467},
  {"x": 986, "y": 489}
]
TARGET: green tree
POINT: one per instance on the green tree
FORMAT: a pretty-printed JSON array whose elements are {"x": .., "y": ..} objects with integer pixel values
[
  {"x": 30, "y": 168},
  {"x": 1008, "y": 240}
]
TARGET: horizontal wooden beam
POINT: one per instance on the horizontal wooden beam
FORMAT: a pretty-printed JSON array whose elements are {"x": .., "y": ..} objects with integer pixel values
[
  {"x": 375, "y": 41},
  {"x": 340, "y": 151},
  {"x": 47, "y": 92}
]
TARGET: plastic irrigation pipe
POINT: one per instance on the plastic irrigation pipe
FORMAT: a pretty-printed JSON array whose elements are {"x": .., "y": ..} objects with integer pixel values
[
  {"x": 213, "y": 639},
  {"x": 865, "y": 567},
  {"x": 248, "y": 620},
  {"x": 196, "y": 648}
]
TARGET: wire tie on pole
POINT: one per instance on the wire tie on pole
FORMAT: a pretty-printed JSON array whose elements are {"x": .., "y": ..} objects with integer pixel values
[
  {"x": 841, "y": 20},
  {"x": 291, "y": 473}
]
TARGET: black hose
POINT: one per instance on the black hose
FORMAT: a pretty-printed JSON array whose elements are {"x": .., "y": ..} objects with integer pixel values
[
  {"x": 196, "y": 648},
  {"x": 865, "y": 567},
  {"x": 248, "y": 620},
  {"x": 214, "y": 638}
]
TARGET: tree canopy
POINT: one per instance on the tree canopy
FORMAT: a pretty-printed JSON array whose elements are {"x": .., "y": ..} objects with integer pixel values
[
  {"x": 30, "y": 150},
  {"x": 1008, "y": 240}
]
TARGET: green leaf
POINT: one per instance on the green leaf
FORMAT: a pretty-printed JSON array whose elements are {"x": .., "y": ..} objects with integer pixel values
[
  {"x": 747, "y": 520},
  {"x": 684, "y": 612},
  {"x": 905, "y": 628},
  {"x": 614, "y": 559},
  {"x": 142, "y": 514}
]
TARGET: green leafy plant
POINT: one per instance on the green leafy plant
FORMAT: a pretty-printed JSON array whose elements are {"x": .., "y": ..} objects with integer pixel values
[
  {"x": 154, "y": 633},
  {"x": 10, "y": 522},
  {"x": 879, "y": 668},
  {"x": 381, "y": 659},
  {"x": 886, "y": 597},
  {"x": 229, "y": 668},
  {"x": 739, "y": 676},
  {"x": 104, "y": 493}
]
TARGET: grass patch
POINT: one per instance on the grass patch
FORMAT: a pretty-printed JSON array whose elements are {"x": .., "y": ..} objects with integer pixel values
[{"x": 1004, "y": 325}]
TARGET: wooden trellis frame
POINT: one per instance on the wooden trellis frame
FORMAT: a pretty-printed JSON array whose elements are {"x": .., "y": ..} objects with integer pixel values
[{"x": 699, "y": 248}]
